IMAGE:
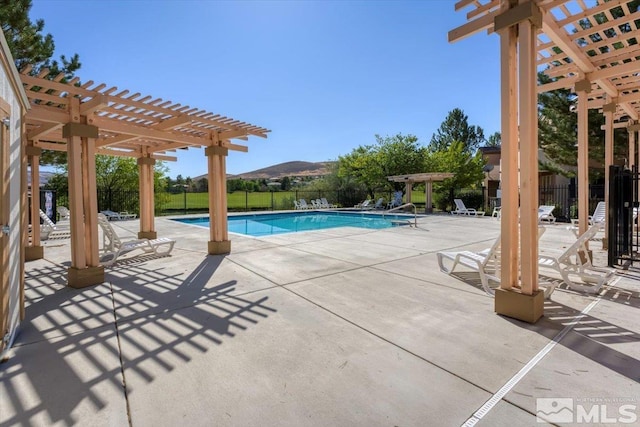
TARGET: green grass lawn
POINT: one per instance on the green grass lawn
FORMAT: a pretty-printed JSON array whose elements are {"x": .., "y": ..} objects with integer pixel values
[{"x": 241, "y": 200}]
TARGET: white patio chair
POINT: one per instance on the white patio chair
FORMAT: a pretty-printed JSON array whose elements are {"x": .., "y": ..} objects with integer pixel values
[
  {"x": 113, "y": 247},
  {"x": 363, "y": 205},
  {"x": 397, "y": 200},
  {"x": 118, "y": 216},
  {"x": 49, "y": 230},
  {"x": 485, "y": 262},
  {"x": 574, "y": 261},
  {"x": 461, "y": 209},
  {"x": 545, "y": 214},
  {"x": 303, "y": 204},
  {"x": 63, "y": 212},
  {"x": 326, "y": 203},
  {"x": 598, "y": 218}
]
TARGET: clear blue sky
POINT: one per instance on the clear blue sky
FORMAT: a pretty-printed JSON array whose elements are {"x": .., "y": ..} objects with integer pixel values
[{"x": 324, "y": 76}]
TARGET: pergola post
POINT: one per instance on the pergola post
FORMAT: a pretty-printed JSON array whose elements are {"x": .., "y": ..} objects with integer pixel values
[
  {"x": 85, "y": 269},
  {"x": 632, "y": 148},
  {"x": 34, "y": 249},
  {"x": 219, "y": 243},
  {"x": 408, "y": 193},
  {"x": 583, "y": 162},
  {"x": 147, "y": 205},
  {"x": 428, "y": 192},
  {"x": 608, "y": 110},
  {"x": 509, "y": 236},
  {"x": 519, "y": 100}
]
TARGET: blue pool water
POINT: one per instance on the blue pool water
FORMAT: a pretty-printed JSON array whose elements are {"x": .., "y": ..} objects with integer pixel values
[{"x": 268, "y": 224}]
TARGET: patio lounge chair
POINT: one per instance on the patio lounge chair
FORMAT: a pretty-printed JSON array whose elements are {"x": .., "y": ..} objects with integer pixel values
[
  {"x": 461, "y": 209},
  {"x": 379, "y": 203},
  {"x": 598, "y": 217},
  {"x": 63, "y": 212},
  {"x": 363, "y": 205},
  {"x": 545, "y": 214},
  {"x": 574, "y": 261},
  {"x": 326, "y": 203},
  {"x": 113, "y": 247},
  {"x": 49, "y": 230},
  {"x": 118, "y": 216},
  {"x": 303, "y": 204},
  {"x": 397, "y": 200},
  {"x": 486, "y": 263}
]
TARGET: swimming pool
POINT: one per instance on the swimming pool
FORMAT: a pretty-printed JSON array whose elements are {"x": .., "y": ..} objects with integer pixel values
[{"x": 257, "y": 225}]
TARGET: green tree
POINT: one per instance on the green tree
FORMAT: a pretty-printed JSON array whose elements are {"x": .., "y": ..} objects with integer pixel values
[
  {"x": 466, "y": 167},
  {"x": 558, "y": 135},
  {"x": 29, "y": 45},
  {"x": 494, "y": 140},
  {"x": 112, "y": 174},
  {"x": 370, "y": 165},
  {"x": 285, "y": 183},
  {"x": 456, "y": 128}
]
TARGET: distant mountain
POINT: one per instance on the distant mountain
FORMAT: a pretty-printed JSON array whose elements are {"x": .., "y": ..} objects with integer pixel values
[
  {"x": 44, "y": 177},
  {"x": 290, "y": 169}
]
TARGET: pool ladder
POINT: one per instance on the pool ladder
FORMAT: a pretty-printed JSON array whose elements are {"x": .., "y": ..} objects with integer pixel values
[{"x": 415, "y": 213}]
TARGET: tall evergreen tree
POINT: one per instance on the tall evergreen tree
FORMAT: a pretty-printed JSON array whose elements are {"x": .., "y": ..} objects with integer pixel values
[
  {"x": 27, "y": 42},
  {"x": 455, "y": 127},
  {"x": 29, "y": 45}
]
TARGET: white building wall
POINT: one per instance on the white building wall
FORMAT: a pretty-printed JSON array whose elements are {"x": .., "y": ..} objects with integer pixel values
[{"x": 8, "y": 95}]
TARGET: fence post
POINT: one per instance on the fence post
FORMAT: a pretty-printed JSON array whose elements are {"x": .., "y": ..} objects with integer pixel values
[
  {"x": 185, "y": 199},
  {"x": 271, "y": 199},
  {"x": 246, "y": 201}
]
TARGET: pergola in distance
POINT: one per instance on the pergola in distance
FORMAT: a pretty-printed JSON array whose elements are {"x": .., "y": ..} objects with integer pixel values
[
  {"x": 428, "y": 178},
  {"x": 88, "y": 119},
  {"x": 588, "y": 46}
]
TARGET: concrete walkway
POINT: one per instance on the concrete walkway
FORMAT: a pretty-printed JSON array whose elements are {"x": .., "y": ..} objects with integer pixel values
[{"x": 343, "y": 327}]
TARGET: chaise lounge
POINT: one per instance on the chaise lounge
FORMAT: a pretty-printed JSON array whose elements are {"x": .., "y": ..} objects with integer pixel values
[{"x": 113, "y": 247}]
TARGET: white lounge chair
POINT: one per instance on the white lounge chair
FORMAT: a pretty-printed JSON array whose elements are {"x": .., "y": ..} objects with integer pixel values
[
  {"x": 397, "y": 200},
  {"x": 461, "y": 209},
  {"x": 598, "y": 218},
  {"x": 379, "y": 204},
  {"x": 49, "y": 230},
  {"x": 63, "y": 212},
  {"x": 326, "y": 203},
  {"x": 113, "y": 247},
  {"x": 575, "y": 262},
  {"x": 303, "y": 204},
  {"x": 118, "y": 216},
  {"x": 486, "y": 263},
  {"x": 545, "y": 214},
  {"x": 363, "y": 205}
]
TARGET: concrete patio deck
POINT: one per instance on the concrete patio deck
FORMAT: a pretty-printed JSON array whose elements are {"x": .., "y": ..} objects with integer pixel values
[{"x": 328, "y": 328}]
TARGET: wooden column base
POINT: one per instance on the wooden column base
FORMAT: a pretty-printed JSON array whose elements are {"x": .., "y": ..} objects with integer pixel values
[
  {"x": 513, "y": 303},
  {"x": 148, "y": 235},
  {"x": 83, "y": 277},
  {"x": 217, "y": 248},
  {"x": 428, "y": 210},
  {"x": 605, "y": 243},
  {"x": 32, "y": 253}
]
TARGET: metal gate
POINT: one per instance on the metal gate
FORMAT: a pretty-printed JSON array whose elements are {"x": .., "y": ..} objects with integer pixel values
[{"x": 622, "y": 216}]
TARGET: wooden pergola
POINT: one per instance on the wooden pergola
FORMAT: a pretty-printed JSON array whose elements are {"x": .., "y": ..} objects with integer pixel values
[
  {"x": 428, "y": 178},
  {"x": 85, "y": 119},
  {"x": 586, "y": 45}
]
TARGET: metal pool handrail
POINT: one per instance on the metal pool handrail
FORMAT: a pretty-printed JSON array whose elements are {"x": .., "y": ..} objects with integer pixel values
[{"x": 415, "y": 212}]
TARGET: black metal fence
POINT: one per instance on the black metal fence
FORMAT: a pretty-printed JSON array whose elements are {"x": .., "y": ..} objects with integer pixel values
[{"x": 183, "y": 201}]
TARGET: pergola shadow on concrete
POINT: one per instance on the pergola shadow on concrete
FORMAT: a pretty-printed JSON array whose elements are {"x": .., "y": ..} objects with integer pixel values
[
  {"x": 85, "y": 119},
  {"x": 588, "y": 46},
  {"x": 428, "y": 178}
]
